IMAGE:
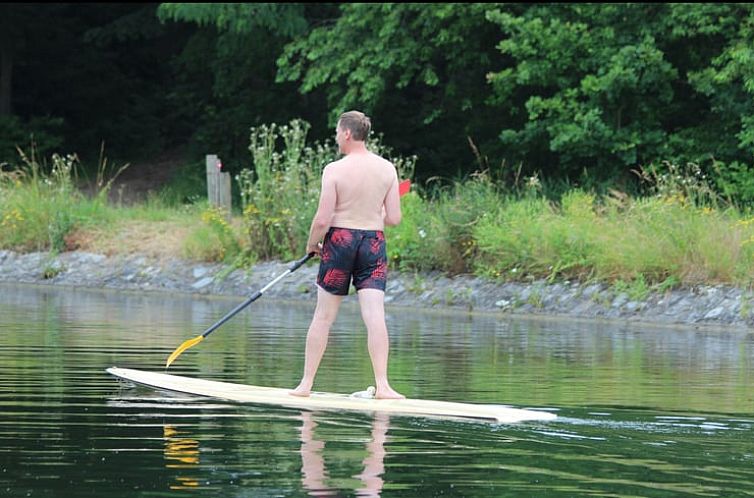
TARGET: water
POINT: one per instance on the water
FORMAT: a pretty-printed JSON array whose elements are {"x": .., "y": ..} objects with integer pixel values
[{"x": 642, "y": 411}]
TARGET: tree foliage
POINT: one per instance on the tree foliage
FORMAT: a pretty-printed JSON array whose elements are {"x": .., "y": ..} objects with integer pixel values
[
  {"x": 240, "y": 18},
  {"x": 573, "y": 92},
  {"x": 417, "y": 69}
]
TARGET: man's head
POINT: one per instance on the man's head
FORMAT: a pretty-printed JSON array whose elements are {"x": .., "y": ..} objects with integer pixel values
[{"x": 357, "y": 123}]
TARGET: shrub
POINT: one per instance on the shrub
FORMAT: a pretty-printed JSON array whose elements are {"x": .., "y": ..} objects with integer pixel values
[{"x": 279, "y": 195}]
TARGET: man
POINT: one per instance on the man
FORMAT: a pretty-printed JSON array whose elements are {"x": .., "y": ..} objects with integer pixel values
[{"x": 359, "y": 197}]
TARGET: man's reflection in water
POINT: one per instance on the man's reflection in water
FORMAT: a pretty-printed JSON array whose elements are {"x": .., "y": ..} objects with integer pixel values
[
  {"x": 181, "y": 453},
  {"x": 314, "y": 474}
]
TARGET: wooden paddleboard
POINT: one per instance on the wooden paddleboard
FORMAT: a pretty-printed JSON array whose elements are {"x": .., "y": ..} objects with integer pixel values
[{"x": 326, "y": 401}]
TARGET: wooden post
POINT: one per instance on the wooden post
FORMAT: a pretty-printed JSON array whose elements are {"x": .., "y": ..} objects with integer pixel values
[{"x": 218, "y": 184}]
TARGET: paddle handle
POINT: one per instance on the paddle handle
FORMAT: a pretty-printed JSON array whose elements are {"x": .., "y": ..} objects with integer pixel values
[{"x": 296, "y": 264}]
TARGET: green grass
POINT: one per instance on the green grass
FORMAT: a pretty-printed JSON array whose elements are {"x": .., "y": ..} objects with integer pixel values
[
  {"x": 42, "y": 210},
  {"x": 639, "y": 244},
  {"x": 666, "y": 238}
]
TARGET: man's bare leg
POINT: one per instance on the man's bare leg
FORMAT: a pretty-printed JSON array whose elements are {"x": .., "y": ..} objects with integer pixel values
[
  {"x": 316, "y": 338},
  {"x": 372, "y": 303}
]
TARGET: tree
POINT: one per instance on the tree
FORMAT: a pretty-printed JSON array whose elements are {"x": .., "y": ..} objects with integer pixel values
[
  {"x": 94, "y": 73},
  {"x": 418, "y": 69},
  {"x": 588, "y": 86},
  {"x": 727, "y": 82},
  {"x": 286, "y": 20},
  {"x": 610, "y": 87},
  {"x": 226, "y": 73}
]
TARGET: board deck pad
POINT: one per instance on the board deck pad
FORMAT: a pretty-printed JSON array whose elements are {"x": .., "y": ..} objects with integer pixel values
[{"x": 243, "y": 393}]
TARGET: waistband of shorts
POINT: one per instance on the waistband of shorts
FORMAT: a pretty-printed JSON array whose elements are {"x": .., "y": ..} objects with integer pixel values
[{"x": 363, "y": 233}]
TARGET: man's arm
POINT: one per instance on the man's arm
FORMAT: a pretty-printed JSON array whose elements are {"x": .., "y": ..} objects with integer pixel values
[
  {"x": 393, "y": 204},
  {"x": 325, "y": 211}
]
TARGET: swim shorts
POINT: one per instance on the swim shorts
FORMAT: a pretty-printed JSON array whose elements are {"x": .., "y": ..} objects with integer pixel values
[{"x": 348, "y": 253}]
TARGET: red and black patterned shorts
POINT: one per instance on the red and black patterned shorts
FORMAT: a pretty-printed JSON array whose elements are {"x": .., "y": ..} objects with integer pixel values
[{"x": 350, "y": 253}]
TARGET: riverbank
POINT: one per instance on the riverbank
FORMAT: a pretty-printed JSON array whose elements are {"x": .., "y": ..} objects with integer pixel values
[{"x": 696, "y": 306}]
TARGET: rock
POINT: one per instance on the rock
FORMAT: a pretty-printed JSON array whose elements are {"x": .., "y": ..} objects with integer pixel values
[
  {"x": 591, "y": 290},
  {"x": 713, "y": 304},
  {"x": 620, "y": 300},
  {"x": 202, "y": 283},
  {"x": 631, "y": 306},
  {"x": 714, "y": 313}
]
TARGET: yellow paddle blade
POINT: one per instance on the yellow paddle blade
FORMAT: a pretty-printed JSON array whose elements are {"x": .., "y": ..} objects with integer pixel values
[{"x": 183, "y": 347}]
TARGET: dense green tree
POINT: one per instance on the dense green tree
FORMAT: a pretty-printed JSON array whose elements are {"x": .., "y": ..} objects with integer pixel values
[
  {"x": 573, "y": 91},
  {"x": 418, "y": 69},
  {"x": 226, "y": 74},
  {"x": 589, "y": 85},
  {"x": 19, "y": 23},
  {"x": 721, "y": 35},
  {"x": 610, "y": 87},
  {"x": 96, "y": 72}
]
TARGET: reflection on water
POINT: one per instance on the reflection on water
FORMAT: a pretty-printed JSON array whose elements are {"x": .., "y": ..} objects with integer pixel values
[
  {"x": 314, "y": 475},
  {"x": 642, "y": 412},
  {"x": 182, "y": 455},
  {"x": 181, "y": 452}
]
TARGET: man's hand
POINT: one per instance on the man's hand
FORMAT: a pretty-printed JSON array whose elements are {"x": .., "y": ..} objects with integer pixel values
[{"x": 315, "y": 248}]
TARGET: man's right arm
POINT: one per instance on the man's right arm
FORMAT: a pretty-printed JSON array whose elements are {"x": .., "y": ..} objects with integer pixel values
[{"x": 325, "y": 211}]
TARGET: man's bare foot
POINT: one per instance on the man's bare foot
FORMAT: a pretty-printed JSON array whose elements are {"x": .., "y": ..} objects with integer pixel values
[
  {"x": 388, "y": 393},
  {"x": 300, "y": 391}
]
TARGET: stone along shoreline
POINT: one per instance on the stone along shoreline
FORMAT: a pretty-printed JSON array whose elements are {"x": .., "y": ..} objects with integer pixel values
[{"x": 708, "y": 305}]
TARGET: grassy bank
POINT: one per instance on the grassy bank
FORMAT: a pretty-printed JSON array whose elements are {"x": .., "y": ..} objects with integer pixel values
[
  {"x": 639, "y": 243},
  {"x": 42, "y": 209},
  {"x": 678, "y": 234}
]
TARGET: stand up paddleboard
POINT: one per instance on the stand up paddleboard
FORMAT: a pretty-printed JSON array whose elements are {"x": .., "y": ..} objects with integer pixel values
[{"x": 326, "y": 401}]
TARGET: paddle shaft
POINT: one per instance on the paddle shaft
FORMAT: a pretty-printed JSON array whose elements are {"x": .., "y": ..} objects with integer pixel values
[{"x": 294, "y": 266}]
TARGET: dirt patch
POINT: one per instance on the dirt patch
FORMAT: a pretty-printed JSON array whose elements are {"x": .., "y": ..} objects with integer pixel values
[
  {"x": 156, "y": 239},
  {"x": 135, "y": 183}
]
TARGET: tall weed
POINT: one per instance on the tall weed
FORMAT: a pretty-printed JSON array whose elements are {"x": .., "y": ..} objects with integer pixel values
[
  {"x": 280, "y": 193},
  {"x": 652, "y": 240},
  {"x": 39, "y": 209}
]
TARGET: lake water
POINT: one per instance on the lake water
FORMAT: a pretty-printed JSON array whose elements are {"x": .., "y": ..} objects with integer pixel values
[{"x": 641, "y": 411}]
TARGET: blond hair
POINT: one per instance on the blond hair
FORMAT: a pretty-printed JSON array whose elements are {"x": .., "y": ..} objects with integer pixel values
[{"x": 358, "y": 123}]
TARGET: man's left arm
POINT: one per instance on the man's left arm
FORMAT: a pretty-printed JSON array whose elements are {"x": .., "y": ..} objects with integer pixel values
[{"x": 392, "y": 204}]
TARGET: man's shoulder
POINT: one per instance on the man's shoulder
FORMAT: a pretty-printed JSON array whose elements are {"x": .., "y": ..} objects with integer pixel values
[
  {"x": 383, "y": 162},
  {"x": 381, "y": 159},
  {"x": 333, "y": 167}
]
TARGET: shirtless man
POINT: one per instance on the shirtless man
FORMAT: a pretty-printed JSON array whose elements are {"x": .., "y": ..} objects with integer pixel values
[{"x": 359, "y": 197}]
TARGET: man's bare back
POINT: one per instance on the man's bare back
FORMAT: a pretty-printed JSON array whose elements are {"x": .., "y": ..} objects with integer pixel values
[{"x": 362, "y": 183}]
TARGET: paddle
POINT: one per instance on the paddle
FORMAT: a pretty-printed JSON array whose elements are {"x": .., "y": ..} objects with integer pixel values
[
  {"x": 403, "y": 187},
  {"x": 196, "y": 340}
]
